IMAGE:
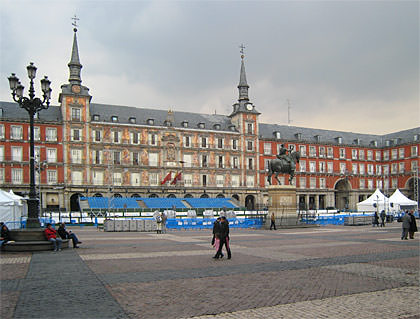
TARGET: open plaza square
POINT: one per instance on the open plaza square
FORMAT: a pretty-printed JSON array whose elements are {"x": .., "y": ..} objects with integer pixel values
[{"x": 319, "y": 272}]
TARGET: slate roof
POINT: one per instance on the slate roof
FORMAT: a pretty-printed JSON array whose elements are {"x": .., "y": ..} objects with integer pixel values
[{"x": 12, "y": 111}]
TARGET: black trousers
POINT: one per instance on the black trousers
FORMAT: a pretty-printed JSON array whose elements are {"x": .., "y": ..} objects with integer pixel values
[
  {"x": 223, "y": 241},
  {"x": 273, "y": 223}
]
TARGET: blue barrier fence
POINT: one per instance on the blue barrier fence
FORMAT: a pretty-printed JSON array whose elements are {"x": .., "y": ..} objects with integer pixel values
[{"x": 207, "y": 223}]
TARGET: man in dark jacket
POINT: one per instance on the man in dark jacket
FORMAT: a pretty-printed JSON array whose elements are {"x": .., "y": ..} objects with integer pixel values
[
  {"x": 4, "y": 236},
  {"x": 64, "y": 234},
  {"x": 224, "y": 238},
  {"x": 413, "y": 225},
  {"x": 406, "y": 220}
]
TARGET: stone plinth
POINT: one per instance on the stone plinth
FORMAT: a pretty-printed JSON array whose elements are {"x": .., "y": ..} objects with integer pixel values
[
  {"x": 282, "y": 202},
  {"x": 30, "y": 239}
]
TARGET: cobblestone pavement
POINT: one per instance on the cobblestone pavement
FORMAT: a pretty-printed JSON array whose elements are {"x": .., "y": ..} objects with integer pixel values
[{"x": 328, "y": 272}]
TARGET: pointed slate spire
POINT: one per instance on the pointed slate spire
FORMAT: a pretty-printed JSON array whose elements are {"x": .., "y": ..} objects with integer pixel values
[
  {"x": 243, "y": 85},
  {"x": 74, "y": 64}
]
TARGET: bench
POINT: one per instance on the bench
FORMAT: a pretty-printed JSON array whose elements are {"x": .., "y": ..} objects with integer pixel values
[{"x": 35, "y": 245}]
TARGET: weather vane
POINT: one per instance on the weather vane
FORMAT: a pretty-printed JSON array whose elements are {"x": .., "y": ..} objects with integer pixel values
[
  {"x": 74, "y": 23},
  {"x": 242, "y": 47}
]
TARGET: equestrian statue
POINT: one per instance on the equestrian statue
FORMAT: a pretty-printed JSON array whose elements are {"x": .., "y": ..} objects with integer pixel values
[{"x": 284, "y": 163}]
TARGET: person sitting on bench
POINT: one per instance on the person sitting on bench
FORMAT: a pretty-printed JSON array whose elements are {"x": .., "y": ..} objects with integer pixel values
[
  {"x": 50, "y": 234},
  {"x": 64, "y": 234},
  {"x": 4, "y": 236}
]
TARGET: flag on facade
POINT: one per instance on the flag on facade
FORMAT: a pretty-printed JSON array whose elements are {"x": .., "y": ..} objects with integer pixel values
[
  {"x": 167, "y": 178},
  {"x": 176, "y": 178}
]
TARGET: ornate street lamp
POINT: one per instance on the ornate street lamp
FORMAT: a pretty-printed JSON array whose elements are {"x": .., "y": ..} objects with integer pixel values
[{"x": 32, "y": 105}]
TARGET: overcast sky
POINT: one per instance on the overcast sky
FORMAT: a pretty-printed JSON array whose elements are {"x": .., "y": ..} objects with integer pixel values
[{"x": 343, "y": 65}]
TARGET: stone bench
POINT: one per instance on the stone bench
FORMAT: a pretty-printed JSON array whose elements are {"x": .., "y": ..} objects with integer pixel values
[{"x": 34, "y": 245}]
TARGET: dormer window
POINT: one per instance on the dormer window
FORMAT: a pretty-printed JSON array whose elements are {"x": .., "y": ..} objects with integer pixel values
[
  {"x": 167, "y": 123},
  {"x": 339, "y": 139},
  {"x": 1, "y": 112},
  {"x": 298, "y": 136},
  {"x": 114, "y": 118},
  {"x": 396, "y": 141},
  {"x": 95, "y": 117},
  {"x": 416, "y": 137},
  {"x": 374, "y": 143},
  {"x": 184, "y": 123},
  {"x": 132, "y": 120},
  {"x": 216, "y": 126},
  {"x": 317, "y": 138},
  {"x": 277, "y": 135},
  {"x": 232, "y": 128},
  {"x": 387, "y": 143},
  {"x": 150, "y": 121},
  {"x": 201, "y": 125},
  {"x": 357, "y": 141}
]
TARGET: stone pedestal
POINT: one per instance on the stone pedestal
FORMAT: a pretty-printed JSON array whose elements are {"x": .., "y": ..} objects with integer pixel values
[
  {"x": 282, "y": 202},
  {"x": 30, "y": 239}
]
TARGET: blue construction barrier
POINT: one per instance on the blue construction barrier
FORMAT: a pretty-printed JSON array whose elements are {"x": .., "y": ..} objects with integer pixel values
[{"x": 207, "y": 223}]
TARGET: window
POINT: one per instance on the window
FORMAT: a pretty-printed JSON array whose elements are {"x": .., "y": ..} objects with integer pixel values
[
  {"x": 322, "y": 183},
  {"x": 16, "y": 132},
  {"x": 250, "y": 146},
  {"x": 378, "y": 169},
  {"x": 312, "y": 182},
  {"x": 51, "y": 134},
  {"x": 394, "y": 168},
  {"x": 394, "y": 154},
  {"x": 342, "y": 153},
  {"x": 153, "y": 179},
  {"x": 75, "y": 134},
  {"x": 75, "y": 114},
  {"x": 76, "y": 156},
  {"x": 386, "y": 169},
  {"x": 322, "y": 151},
  {"x": 234, "y": 144},
  {"x": 312, "y": 167},
  {"x": 386, "y": 155},
  {"x": 330, "y": 152},
  {"x": 361, "y": 183},
  {"x": 379, "y": 184},
  {"x": 362, "y": 169},
  {"x": 203, "y": 160},
  {"x": 114, "y": 118},
  {"x": 312, "y": 151},
  {"x": 96, "y": 157},
  {"x": 378, "y": 155},
  {"x": 302, "y": 182},
  {"x": 302, "y": 166},
  {"x": 267, "y": 148},
  {"x": 220, "y": 161},
  {"x": 413, "y": 166},
  {"x": 17, "y": 176},
  {"x": 414, "y": 151},
  {"x": 235, "y": 180},
  {"x": 401, "y": 167},
  {"x": 152, "y": 139},
  {"x": 1, "y": 153},
  {"x": 116, "y": 137},
  {"x": 266, "y": 164},
  {"x": 97, "y": 178},
  {"x": 250, "y": 128},
  {"x": 361, "y": 155},
  {"x": 342, "y": 168},
  {"x": 250, "y": 181},
  {"x": 354, "y": 168},
  {"x": 132, "y": 120},
  {"x": 76, "y": 177},
  {"x": 16, "y": 154},
  {"x": 117, "y": 157},
  {"x": 370, "y": 169},
  {"x": 97, "y": 135},
  {"x": 302, "y": 150},
  {"x": 135, "y": 158},
  {"x": 187, "y": 180},
  {"x": 135, "y": 179},
  {"x": 184, "y": 123},
  {"x": 220, "y": 143},
  {"x": 187, "y": 160},
  {"x": 330, "y": 167},
  {"x": 51, "y": 176},
  {"x": 292, "y": 147},
  {"x": 1, "y": 131},
  {"x": 354, "y": 154},
  {"x": 322, "y": 168},
  {"x": 134, "y": 138},
  {"x": 95, "y": 117},
  {"x": 187, "y": 141},
  {"x": 370, "y": 184},
  {"x": 395, "y": 183},
  {"x": 220, "y": 180},
  {"x": 370, "y": 155},
  {"x": 401, "y": 153},
  {"x": 204, "y": 142},
  {"x": 37, "y": 134},
  {"x": 51, "y": 155},
  {"x": 277, "y": 135},
  {"x": 1, "y": 175},
  {"x": 235, "y": 162},
  {"x": 203, "y": 180},
  {"x": 117, "y": 179},
  {"x": 153, "y": 159},
  {"x": 250, "y": 163}
]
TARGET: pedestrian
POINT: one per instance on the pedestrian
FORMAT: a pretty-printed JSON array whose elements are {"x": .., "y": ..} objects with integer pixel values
[
  {"x": 406, "y": 219},
  {"x": 413, "y": 225},
  {"x": 224, "y": 238},
  {"x": 273, "y": 221},
  {"x": 159, "y": 223},
  {"x": 51, "y": 235},
  {"x": 375, "y": 220},
  {"x": 383, "y": 216},
  {"x": 4, "y": 234},
  {"x": 64, "y": 234},
  {"x": 164, "y": 218},
  {"x": 215, "y": 242}
]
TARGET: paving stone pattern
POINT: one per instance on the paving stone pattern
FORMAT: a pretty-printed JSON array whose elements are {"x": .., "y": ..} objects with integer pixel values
[{"x": 328, "y": 272}]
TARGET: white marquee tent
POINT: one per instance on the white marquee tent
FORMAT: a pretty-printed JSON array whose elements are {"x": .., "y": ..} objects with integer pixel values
[
  {"x": 381, "y": 201},
  {"x": 12, "y": 209},
  {"x": 399, "y": 202}
]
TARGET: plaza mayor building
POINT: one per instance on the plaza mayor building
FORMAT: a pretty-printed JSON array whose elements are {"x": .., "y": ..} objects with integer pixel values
[{"x": 88, "y": 149}]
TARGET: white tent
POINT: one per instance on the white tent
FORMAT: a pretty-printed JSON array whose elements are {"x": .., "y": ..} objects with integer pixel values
[
  {"x": 399, "y": 201},
  {"x": 376, "y": 199},
  {"x": 12, "y": 209}
]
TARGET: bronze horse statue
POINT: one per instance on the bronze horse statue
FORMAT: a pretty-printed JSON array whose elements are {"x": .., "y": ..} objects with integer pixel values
[{"x": 287, "y": 164}]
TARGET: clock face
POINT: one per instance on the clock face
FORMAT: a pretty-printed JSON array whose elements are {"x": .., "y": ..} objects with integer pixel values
[
  {"x": 249, "y": 107},
  {"x": 75, "y": 89}
]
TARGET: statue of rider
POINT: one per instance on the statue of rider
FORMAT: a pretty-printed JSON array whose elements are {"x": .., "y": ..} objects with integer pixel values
[{"x": 282, "y": 155}]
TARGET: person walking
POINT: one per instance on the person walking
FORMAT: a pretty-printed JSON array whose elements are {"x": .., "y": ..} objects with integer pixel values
[
  {"x": 413, "y": 225},
  {"x": 406, "y": 219},
  {"x": 383, "y": 216},
  {"x": 273, "y": 221},
  {"x": 375, "y": 220},
  {"x": 215, "y": 242},
  {"x": 224, "y": 238},
  {"x": 51, "y": 235}
]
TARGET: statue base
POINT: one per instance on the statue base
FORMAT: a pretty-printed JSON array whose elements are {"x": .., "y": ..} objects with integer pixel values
[
  {"x": 283, "y": 203},
  {"x": 30, "y": 239}
]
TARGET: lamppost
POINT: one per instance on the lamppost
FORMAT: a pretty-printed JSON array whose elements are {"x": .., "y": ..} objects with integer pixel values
[{"x": 32, "y": 105}]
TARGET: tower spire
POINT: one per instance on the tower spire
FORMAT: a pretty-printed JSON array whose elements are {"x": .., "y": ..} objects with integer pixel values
[
  {"x": 74, "y": 64},
  {"x": 243, "y": 85}
]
